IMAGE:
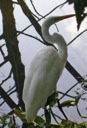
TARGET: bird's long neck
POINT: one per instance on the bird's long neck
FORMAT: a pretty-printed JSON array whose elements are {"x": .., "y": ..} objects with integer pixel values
[
  {"x": 45, "y": 30},
  {"x": 62, "y": 49},
  {"x": 55, "y": 38}
]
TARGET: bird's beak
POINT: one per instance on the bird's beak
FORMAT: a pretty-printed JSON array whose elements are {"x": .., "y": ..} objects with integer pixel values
[{"x": 58, "y": 18}]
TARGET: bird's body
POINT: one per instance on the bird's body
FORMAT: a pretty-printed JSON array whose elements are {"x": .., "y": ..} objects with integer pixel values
[
  {"x": 44, "y": 72},
  {"x": 41, "y": 75}
]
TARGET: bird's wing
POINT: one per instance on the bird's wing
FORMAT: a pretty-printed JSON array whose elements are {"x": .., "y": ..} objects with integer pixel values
[{"x": 41, "y": 80}]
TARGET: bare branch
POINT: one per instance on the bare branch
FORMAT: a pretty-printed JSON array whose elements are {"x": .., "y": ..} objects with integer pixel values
[
  {"x": 7, "y": 99},
  {"x": 9, "y": 91},
  {"x": 53, "y": 115},
  {"x": 60, "y": 108},
  {"x": 42, "y": 17},
  {"x": 77, "y": 37},
  {"x": 2, "y": 50},
  {"x": 6, "y": 78},
  {"x": 20, "y": 32},
  {"x": 74, "y": 73},
  {"x": 69, "y": 90},
  {"x": 1, "y": 37},
  {"x": 4, "y": 62},
  {"x": 14, "y": 55},
  {"x": 80, "y": 113},
  {"x": 28, "y": 13},
  {"x": 35, "y": 8},
  {"x": 65, "y": 94}
]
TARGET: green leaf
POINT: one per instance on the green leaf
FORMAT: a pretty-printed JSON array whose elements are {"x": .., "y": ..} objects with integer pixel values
[
  {"x": 39, "y": 120},
  {"x": 55, "y": 126},
  {"x": 51, "y": 101},
  {"x": 47, "y": 116},
  {"x": 84, "y": 125},
  {"x": 68, "y": 103},
  {"x": 31, "y": 125},
  {"x": 10, "y": 122},
  {"x": 21, "y": 115},
  {"x": 69, "y": 124}
]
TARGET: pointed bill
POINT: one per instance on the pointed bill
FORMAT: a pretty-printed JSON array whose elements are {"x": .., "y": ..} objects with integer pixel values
[{"x": 59, "y": 18}]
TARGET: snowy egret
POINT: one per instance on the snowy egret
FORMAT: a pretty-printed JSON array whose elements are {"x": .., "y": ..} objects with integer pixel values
[{"x": 45, "y": 70}]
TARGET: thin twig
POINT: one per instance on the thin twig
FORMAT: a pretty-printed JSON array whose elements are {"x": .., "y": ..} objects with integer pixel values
[
  {"x": 65, "y": 94},
  {"x": 80, "y": 113},
  {"x": 4, "y": 62},
  {"x": 63, "y": 4},
  {"x": 54, "y": 9},
  {"x": 35, "y": 8},
  {"x": 77, "y": 37},
  {"x": 30, "y": 36},
  {"x": 12, "y": 92},
  {"x": 56, "y": 115},
  {"x": 41, "y": 18},
  {"x": 60, "y": 108},
  {"x": 35, "y": 15},
  {"x": 6, "y": 78},
  {"x": 53, "y": 115},
  {"x": 9, "y": 91},
  {"x": 69, "y": 90},
  {"x": 2, "y": 50}
]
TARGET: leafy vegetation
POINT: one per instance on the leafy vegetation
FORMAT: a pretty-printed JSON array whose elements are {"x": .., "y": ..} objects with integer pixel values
[
  {"x": 9, "y": 120},
  {"x": 80, "y": 8}
]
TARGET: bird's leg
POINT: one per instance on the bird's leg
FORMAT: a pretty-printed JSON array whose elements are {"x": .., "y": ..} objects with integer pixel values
[{"x": 60, "y": 108}]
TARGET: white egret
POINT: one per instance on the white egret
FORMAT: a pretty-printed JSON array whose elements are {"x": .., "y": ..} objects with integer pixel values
[{"x": 45, "y": 70}]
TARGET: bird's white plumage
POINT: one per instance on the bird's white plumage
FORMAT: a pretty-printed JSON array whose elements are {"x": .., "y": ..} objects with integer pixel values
[
  {"x": 41, "y": 80},
  {"x": 44, "y": 72}
]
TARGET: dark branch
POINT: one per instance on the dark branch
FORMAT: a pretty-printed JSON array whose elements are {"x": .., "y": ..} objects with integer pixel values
[
  {"x": 36, "y": 38},
  {"x": 35, "y": 8},
  {"x": 4, "y": 62},
  {"x": 2, "y": 50},
  {"x": 6, "y": 78},
  {"x": 60, "y": 108},
  {"x": 53, "y": 115},
  {"x": 69, "y": 90},
  {"x": 10, "y": 36},
  {"x": 1, "y": 37},
  {"x": 77, "y": 37},
  {"x": 74, "y": 73},
  {"x": 7, "y": 99},
  {"x": 65, "y": 94}
]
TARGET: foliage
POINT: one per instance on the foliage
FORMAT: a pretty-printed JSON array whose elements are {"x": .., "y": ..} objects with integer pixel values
[
  {"x": 79, "y": 6},
  {"x": 10, "y": 122},
  {"x": 44, "y": 121}
]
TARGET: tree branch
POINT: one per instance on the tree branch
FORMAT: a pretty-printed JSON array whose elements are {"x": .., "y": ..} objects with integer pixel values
[
  {"x": 7, "y": 99},
  {"x": 10, "y": 36},
  {"x": 5, "y": 61},
  {"x": 77, "y": 36}
]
